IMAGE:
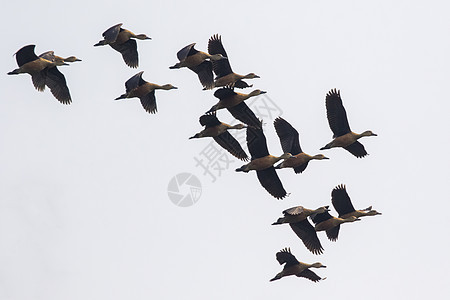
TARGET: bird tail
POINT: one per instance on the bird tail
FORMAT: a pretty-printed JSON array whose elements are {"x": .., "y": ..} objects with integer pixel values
[
  {"x": 121, "y": 97},
  {"x": 278, "y": 276}
]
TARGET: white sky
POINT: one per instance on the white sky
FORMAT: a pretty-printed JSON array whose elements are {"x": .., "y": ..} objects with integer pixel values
[{"x": 84, "y": 209}]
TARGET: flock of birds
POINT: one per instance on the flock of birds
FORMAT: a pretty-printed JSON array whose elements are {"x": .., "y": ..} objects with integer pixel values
[{"x": 44, "y": 72}]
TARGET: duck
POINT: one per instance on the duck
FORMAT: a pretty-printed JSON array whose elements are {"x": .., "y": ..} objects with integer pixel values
[
  {"x": 262, "y": 162},
  {"x": 342, "y": 135},
  {"x": 122, "y": 40},
  {"x": 59, "y": 61},
  {"x": 199, "y": 62},
  {"x": 43, "y": 73},
  {"x": 331, "y": 225},
  {"x": 222, "y": 68},
  {"x": 136, "y": 87},
  {"x": 294, "y": 267},
  {"x": 219, "y": 132},
  {"x": 343, "y": 205},
  {"x": 289, "y": 139},
  {"x": 297, "y": 218},
  {"x": 234, "y": 103}
]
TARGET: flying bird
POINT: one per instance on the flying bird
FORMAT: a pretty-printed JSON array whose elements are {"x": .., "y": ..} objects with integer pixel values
[
  {"x": 43, "y": 73},
  {"x": 199, "y": 62},
  {"x": 297, "y": 218},
  {"x": 219, "y": 132},
  {"x": 294, "y": 267},
  {"x": 342, "y": 135},
  {"x": 122, "y": 40},
  {"x": 343, "y": 205},
  {"x": 262, "y": 162},
  {"x": 290, "y": 142},
  {"x": 234, "y": 103},
  {"x": 222, "y": 68},
  {"x": 136, "y": 87},
  {"x": 59, "y": 61}
]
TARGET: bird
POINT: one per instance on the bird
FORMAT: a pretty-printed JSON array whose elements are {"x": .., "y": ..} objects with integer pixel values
[
  {"x": 222, "y": 68},
  {"x": 60, "y": 61},
  {"x": 331, "y": 225},
  {"x": 297, "y": 218},
  {"x": 290, "y": 142},
  {"x": 122, "y": 40},
  {"x": 262, "y": 162},
  {"x": 343, "y": 205},
  {"x": 234, "y": 103},
  {"x": 294, "y": 267},
  {"x": 219, "y": 132},
  {"x": 43, "y": 73},
  {"x": 342, "y": 135},
  {"x": 136, "y": 87},
  {"x": 199, "y": 62}
]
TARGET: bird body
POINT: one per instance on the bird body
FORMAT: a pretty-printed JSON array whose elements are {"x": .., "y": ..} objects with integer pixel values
[
  {"x": 262, "y": 163},
  {"x": 228, "y": 98},
  {"x": 136, "y": 87},
  {"x": 329, "y": 224},
  {"x": 294, "y": 267}
]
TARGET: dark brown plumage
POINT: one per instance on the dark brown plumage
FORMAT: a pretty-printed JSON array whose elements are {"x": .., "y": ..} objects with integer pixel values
[{"x": 343, "y": 205}]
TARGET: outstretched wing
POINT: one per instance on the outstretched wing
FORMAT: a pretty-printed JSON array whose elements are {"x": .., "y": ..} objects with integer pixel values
[
  {"x": 221, "y": 67},
  {"x": 205, "y": 74},
  {"x": 129, "y": 52},
  {"x": 337, "y": 117},
  {"x": 56, "y": 82},
  {"x": 305, "y": 231},
  {"x": 111, "y": 33},
  {"x": 244, "y": 114},
  {"x": 149, "y": 102},
  {"x": 271, "y": 182},
  {"x": 285, "y": 256},
  {"x": 229, "y": 143},
  {"x": 341, "y": 200},
  {"x": 25, "y": 55},
  {"x": 288, "y": 136},
  {"x": 357, "y": 149},
  {"x": 309, "y": 275},
  {"x": 256, "y": 142}
]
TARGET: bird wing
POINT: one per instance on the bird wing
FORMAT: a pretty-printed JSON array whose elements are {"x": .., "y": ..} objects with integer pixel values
[
  {"x": 285, "y": 256},
  {"x": 271, "y": 182},
  {"x": 337, "y": 117},
  {"x": 288, "y": 136},
  {"x": 294, "y": 211},
  {"x": 209, "y": 120},
  {"x": 149, "y": 102},
  {"x": 221, "y": 67},
  {"x": 205, "y": 74},
  {"x": 229, "y": 143},
  {"x": 134, "y": 82},
  {"x": 307, "y": 273},
  {"x": 186, "y": 51},
  {"x": 49, "y": 55},
  {"x": 301, "y": 168},
  {"x": 129, "y": 52},
  {"x": 357, "y": 149},
  {"x": 56, "y": 82},
  {"x": 256, "y": 142},
  {"x": 38, "y": 80},
  {"x": 111, "y": 33},
  {"x": 241, "y": 84},
  {"x": 25, "y": 55},
  {"x": 244, "y": 114},
  {"x": 319, "y": 218},
  {"x": 333, "y": 233},
  {"x": 224, "y": 93},
  {"x": 306, "y": 232},
  {"x": 341, "y": 201}
]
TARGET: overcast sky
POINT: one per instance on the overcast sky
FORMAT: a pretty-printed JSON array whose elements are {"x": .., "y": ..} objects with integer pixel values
[{"x": 85, "y": 211}]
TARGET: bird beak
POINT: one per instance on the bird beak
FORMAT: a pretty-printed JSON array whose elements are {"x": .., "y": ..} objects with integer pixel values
[{"x": 262, "y": 92}]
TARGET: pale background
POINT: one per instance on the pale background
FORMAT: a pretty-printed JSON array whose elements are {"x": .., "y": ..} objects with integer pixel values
[{"x": 84, "y": 209}]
